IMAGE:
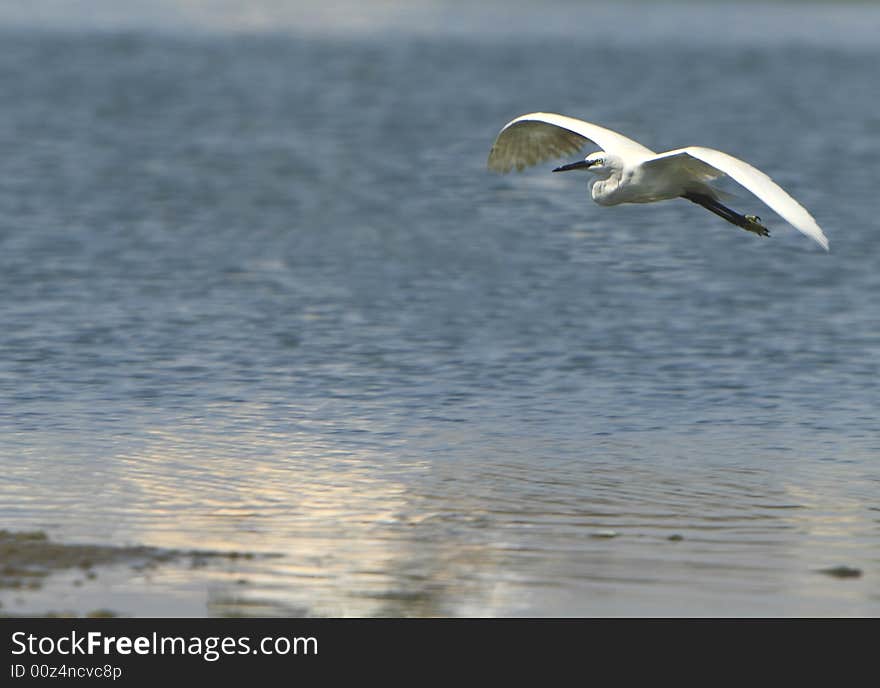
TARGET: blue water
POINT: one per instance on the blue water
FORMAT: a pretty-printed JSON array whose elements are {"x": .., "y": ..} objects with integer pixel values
[{"x": 259, "y": 292}]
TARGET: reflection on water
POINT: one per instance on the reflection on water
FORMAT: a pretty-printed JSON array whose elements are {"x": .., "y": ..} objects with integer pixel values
[
  {"x": 510, "y": 530},
  {"x": 260, "y": 295}
]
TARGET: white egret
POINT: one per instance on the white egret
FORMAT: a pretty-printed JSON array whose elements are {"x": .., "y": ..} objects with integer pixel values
[{"x": 628, "y": 172}]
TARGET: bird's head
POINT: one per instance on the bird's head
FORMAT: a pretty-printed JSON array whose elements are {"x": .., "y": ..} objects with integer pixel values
[{"x": 599, "y": 163}]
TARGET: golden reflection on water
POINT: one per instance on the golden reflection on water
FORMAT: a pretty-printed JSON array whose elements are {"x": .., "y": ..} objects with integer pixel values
[
  {"x": 351, "y": 540},
  {"x": 364, "y": 534},
  {"x": 492, "y": 528}
]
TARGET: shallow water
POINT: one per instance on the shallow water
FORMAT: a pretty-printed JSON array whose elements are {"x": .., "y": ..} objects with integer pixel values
[{"x": 259, "y": 293}]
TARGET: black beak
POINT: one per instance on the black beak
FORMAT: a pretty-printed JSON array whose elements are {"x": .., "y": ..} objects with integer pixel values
[{"x": 579, "y": 165}]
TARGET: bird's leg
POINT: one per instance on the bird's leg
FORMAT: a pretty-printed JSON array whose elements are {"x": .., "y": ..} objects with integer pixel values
[{"x": 750, "y": 223}]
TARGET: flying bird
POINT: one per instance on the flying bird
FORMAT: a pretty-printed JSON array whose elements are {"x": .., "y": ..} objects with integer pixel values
[{"x": 628, "y": 172}]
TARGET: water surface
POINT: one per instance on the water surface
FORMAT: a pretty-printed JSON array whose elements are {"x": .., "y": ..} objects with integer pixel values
[{"x": 259, "y": 293}]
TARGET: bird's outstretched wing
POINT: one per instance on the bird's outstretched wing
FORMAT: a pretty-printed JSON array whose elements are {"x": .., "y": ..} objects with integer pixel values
[
  {"x": 539, "y": 136},
  {"x": 708, "y": 163}
]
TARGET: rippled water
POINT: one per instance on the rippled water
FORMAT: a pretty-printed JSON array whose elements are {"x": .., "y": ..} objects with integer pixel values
[{"x": 258, "y": 292}]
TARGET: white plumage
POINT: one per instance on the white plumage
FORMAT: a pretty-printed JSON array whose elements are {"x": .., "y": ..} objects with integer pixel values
[{"x": 628, "y": 172}]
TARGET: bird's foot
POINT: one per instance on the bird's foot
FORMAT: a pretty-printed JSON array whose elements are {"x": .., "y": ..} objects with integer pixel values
[{"x": 753, "y": 224}]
